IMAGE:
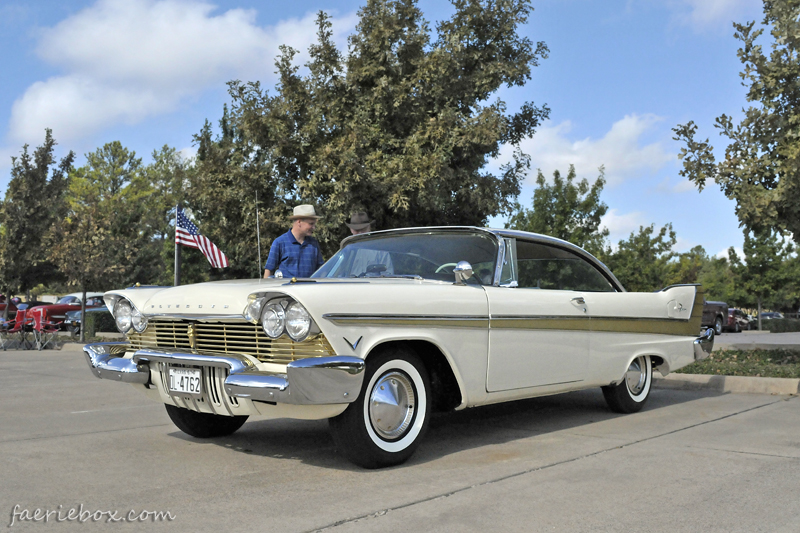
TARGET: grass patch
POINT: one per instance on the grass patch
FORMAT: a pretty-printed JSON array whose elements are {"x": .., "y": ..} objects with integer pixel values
[{"x": 758, "y": 363}]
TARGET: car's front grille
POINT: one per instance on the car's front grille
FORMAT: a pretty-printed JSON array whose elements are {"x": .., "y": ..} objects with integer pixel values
[{"x": 226, "y": 338}]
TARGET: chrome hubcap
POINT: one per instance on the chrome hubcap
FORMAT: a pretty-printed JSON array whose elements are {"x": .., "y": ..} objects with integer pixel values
[
  {"x": 636, "y": 377},
  {"x": 391, "y": 405}
]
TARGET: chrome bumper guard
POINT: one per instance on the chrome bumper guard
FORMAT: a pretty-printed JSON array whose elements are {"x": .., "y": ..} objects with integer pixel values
[
  {"x": 310, "y": 381},
  {"x": 704, "y": 344}
]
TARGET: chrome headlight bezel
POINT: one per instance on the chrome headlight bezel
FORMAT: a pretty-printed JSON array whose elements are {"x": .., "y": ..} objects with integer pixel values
[
  {"x": 123, "y": 315},
  {"x": 298, "y": 322},
  {"x": 252, "y": 311}
]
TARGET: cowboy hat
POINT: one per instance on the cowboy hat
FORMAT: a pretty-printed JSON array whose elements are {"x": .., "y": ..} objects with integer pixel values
[
  {"x": 359, "y": 221},
  {"x": 304, "y": 211}
]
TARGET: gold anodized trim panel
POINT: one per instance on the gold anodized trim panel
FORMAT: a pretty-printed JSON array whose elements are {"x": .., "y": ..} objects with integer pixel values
[{"x": 227, "y": 338}]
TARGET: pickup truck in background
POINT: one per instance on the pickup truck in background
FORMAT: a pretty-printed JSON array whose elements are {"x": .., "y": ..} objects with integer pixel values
[{"x": 715, "y": 315}]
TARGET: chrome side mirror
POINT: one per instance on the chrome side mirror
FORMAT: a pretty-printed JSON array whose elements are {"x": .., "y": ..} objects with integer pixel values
[{"x": 462, "y": 271}]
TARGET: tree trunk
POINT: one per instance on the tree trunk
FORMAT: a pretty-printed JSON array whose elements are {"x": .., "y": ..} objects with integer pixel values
[
  {"x": 759, "y": 312},
  {"x": 83, "y": 313}
]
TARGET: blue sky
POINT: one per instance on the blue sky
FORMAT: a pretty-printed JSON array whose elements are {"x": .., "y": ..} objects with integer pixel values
[{"x": 620, "y": 75}]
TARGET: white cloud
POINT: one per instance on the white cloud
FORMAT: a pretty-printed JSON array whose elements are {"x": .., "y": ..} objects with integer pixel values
[
  {"x": 682, "y": 186},
  {"x": 724, "y": 253},
  {"x": 620, "y": 226},
  {"x": 704, "y": 13},
  {"x": 620, "y": 150},
  {"x": 126, "y": 60}
]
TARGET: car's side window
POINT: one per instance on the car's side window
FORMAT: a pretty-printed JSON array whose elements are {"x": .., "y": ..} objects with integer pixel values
[{"x": 547, "y": 267}]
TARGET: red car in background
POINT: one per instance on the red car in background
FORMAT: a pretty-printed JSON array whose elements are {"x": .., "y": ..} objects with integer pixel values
[
  {"x": 57, "y": 312},
  {"x": 737, "y": 320}
]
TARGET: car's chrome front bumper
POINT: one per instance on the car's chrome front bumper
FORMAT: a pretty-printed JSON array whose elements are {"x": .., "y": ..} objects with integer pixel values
[
  {"x": 704, "y": 344},
  {"x": 310, "y": 381}
]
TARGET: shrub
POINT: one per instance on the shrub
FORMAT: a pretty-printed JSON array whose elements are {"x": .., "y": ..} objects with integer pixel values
[
  {"x": 99, "y": 321},
  {"x": 781, "y": 325}
]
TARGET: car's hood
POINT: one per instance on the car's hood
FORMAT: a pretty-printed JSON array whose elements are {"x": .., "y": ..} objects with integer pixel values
[{"x": 221, "y": 298}]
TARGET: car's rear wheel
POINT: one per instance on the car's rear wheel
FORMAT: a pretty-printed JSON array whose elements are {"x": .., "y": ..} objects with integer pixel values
[
  {"x": 384, "y": 426},
  {"x": 204, "y": 425},
  {"x": 630, "y": 395},
  {"x": 736, "y": 328},
  {"x": 718, "y": 326}
]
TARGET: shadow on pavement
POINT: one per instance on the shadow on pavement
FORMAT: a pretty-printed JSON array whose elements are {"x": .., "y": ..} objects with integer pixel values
[{"x": 311, "y": 443}]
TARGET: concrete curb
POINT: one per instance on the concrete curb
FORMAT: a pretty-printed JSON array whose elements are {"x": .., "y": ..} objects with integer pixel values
[
  {"x": 733, "y": 384},
  {"x": 755, "y": 346}
]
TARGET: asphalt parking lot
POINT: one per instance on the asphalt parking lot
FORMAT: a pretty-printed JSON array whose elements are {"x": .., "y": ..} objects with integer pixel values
[{"x": 691, "y": 461}]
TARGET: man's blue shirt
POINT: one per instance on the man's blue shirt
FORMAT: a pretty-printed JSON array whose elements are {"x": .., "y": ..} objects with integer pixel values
[{"x": 292, "y": 258}]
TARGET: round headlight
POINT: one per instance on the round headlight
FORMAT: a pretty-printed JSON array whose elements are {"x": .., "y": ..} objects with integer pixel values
[
  {"x": 253, "y": 310},
  {"x": 138, "y": 320},
  {"x": 122, "y": 315},
  {"x": 273, "y": 320},
  {"x": 298, "y": 322}
]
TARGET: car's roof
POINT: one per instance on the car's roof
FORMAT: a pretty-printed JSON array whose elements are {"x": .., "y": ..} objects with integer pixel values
[
  {"x": 497, "y": 233},
  {"x": 88, "y": 294}
]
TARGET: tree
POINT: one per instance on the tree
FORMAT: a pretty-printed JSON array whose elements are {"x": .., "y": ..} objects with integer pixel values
[
  {"x": 402, "y": 126},
  {"x": 34, "y": 201},
  {"x": 761, "y": 168},
  {"x": 766, "y": 274},
  {"x": 565, "y": 210},
  {"x": 642, "y": 263},
  {"x": 687, "y": 267},
  {"x": 106, "y": 238}
]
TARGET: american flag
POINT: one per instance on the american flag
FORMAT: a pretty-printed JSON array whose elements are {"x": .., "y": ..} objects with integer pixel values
[{"x": 186, "y": 233}]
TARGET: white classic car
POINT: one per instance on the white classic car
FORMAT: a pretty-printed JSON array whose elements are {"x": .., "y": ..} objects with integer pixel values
[{"x": 396, "y": 325}]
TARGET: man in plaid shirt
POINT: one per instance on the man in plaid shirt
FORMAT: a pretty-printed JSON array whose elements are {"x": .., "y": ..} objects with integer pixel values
[{"x": 296, "y": 253}]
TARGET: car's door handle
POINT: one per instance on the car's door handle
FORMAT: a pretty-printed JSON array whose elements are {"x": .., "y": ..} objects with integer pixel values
[{"x": 578, "y": 300}]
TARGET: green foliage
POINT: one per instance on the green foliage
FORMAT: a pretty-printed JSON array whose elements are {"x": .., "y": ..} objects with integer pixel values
[
  {"x": 719, "y": 282},
  {"x": 642, "y": 263},
  {"x": 99, "y": 321},
  {"x": 34, "y": 201},
  {"x": 401, "y": 126},
  {"x": 566, "y": 210},
  {"x": 106, "y": 238},
  {"x": 761, "y": 168},
  {"x": 767, "y": 275},
  {"x": 781, "y": 325},
  {"x": 759, "y": 363}
]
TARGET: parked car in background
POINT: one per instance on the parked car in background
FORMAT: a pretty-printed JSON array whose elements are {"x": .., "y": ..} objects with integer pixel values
[
  {"x": 73, "y": 319},
  {"x": 396, "y": 325},
  {"x": 737, "y": 321},
  {"x": 57, "y": 312},
  {"x": 715, "y": 316},
  {"x": 771, "y": 315}
]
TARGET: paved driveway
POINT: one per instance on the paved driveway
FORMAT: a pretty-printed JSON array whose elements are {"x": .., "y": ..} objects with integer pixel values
[{"x": 691, "y": 461}]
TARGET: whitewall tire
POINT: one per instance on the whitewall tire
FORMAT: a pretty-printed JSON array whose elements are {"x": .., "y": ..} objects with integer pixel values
[
  {"x": 384, "y": 426},
  {"x": 630, "y": 395}
]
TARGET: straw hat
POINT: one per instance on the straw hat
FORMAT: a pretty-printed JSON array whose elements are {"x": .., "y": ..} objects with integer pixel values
[{"x": 304, "y": 211}]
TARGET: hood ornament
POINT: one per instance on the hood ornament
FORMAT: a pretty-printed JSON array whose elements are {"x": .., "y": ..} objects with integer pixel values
[{"x": 192, "y": 335}]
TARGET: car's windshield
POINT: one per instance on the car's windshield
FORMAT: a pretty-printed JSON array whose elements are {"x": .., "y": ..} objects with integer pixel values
[{"x": 424, "y": 255}]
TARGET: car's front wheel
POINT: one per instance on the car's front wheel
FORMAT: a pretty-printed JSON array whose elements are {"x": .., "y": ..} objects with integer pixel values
[
  {"x": 630, "y": 395},
  {"x": 204, "y": 425},
  {"x": 718, "y": 326},
  {"x": 386, "y": 423}
]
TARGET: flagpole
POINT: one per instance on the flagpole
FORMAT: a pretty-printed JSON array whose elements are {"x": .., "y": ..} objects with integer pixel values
[
  {"x": 177, "y": 252},
  {"x": 258, "y": 236}
]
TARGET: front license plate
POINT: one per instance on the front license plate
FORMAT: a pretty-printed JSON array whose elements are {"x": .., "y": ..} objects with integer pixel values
[{"x": 185, "y": 380}]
